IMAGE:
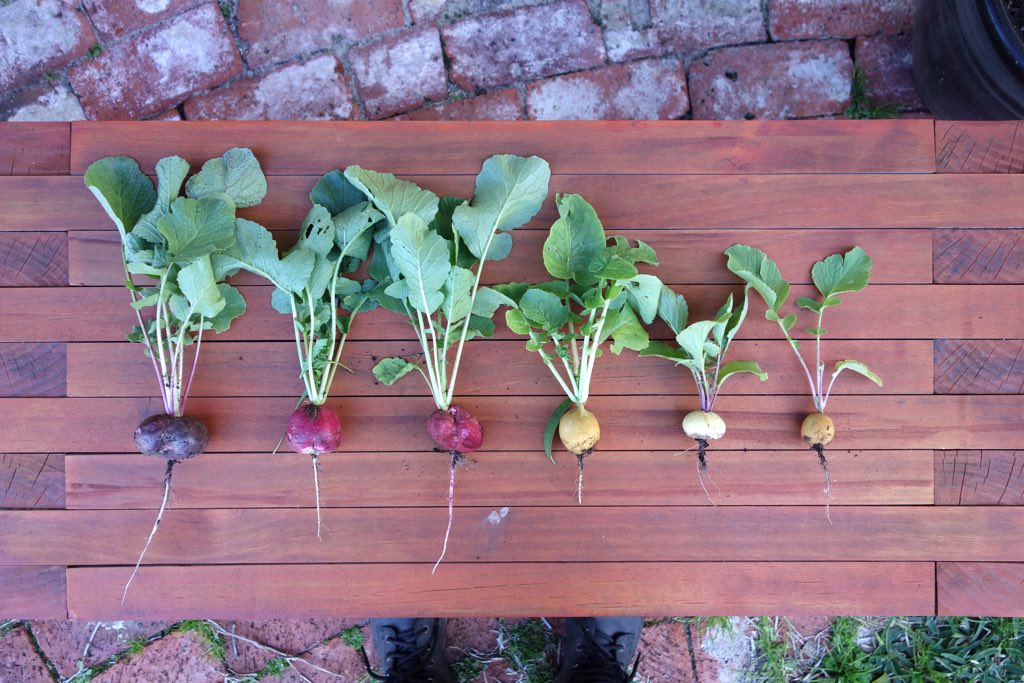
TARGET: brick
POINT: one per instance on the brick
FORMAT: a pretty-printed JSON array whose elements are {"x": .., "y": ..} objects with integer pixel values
[
  {"x": 175, "y": 657},
  {"x": 798, "y": 19},
  {"x": 693, "y": 26},
  {"x": 158, "y": 68},
  {"x": 169, "y": 115},
  {"x": 628, "y": 32},
  {"x": 532, "y": 42},
  {"x": 48, "y": 102},
  {"x": 778, "y": 80},
  {"x": 277, "y": 31},
  {"x": 64, "y": 641},
  {"x": 650, "y": 89},
  {"x": 19, "y": 662},
  {"x": 314, "y": 90},
  {"x": 114, "y": 18},
  {"x": 287, "y": 635},
  {"x": 399, "y": 72},
  {"x": 37, "y": 35},
  {"x": 451, "y": 10},
  {"x": 502, "y": 105},
  {"x": 887, "y": 62}
]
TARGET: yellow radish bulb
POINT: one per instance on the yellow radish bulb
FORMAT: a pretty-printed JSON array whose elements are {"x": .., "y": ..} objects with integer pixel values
[
  {"x": 708, "y": 426},
  {"x": 817, "y": 430},
  {"x": 578, "y": 430}
]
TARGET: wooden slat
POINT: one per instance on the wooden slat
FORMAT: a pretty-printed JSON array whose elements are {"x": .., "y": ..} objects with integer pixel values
[
  {"x": 525, "y": 534},
  {"x": 659, "y": 202},
  {"x": 33, "y": 259},
  {"x": 979, "y": 366},
  {"x": 645, "y": 147},
  {"x": 83, "y": 314},
  {"x": 398, "y": 423},
  {"x": 690, "y": 257},
  {"x": 35, "y": 148},
  {"x": 979, "y": 477},
  {"x": 33, "y": 593},
  {"x": 979, "y": 256},
  {"x": 980, "y": 589},
  {"x": 555, "y": 590},
  {"x": 271, "y": 369},
  {"x": 978, "y": 147},
  {"x": 502, "y": 479},
  {"x": 33, "y": 369},
  {"x": 31, "y": 480}
]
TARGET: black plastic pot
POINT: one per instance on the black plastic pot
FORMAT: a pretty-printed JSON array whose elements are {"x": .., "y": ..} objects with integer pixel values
[{"x": 968, "y": 60}]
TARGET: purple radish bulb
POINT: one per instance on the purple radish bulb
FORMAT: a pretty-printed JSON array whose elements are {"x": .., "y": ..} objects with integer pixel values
[
  {"x": 313, "y": 430},
  {"x": 171, "y": 437},
  {"x": 455, "y": 429}
]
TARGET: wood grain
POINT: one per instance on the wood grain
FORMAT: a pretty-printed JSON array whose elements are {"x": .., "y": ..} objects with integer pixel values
[
  {"x": 687, "y": 257},
  {"x": 33, "y": 259},
  {"x": 414, "y": 535},
  {"x": 645, "y": 147},
  {"x": 979, "y": 256},
  {"x": 980, "y": 589},
  {"x": 824, "y": 201},
  {"x": 554, "y": 590},
  {"x": 271, "y": 369},
  {"x": 33, "y": 369},
  {"x": 84, "y": 314},
  {"x": 497, "y": 480},
  {"x": 979, "y": 366},
  {"x": 979, "y": 477},
  {"x": 978, "y": 147},
  {"x": 397, "y": 423},
  {"x": 35, "y": 148},
  {"x": 31, "y": 480},
  {"x": 33, "y": 593}
]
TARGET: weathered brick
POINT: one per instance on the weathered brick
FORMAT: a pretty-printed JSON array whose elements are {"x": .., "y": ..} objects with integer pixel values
[
  {"x": 175, "y": 657},
  {"x": 797, "y": 19},
  {"x": 158, "y": 68},
  {"x": 48, "y": 102},
  {"x": 277, "y": 31},
  {"x": 169, "y": 115},
  {"x": 19, "y": 661},
  {"x": 502, "y": 105},
  {"x": 887, "y": 62},
  {"x": 627, "y": 28},
  {"x": 399, "y": 72},
  {"x": 532, "y": 42},
  {"x": 64, "y": 641},
  {"x": 778, "y": 80},
  {"x": 650, "y": 89},
  {"x": 36, "y": 35},
  {"x": 450, "y": 10},
  {"x": 700, "y": 24},
  {"x": 314, "y": 90},
  {"x": 114, "y": 18},
  {"x": 287, "y": 635}
]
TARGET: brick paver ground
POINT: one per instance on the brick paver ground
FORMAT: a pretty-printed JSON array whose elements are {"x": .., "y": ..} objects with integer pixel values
[
  {"x": 423, "y": 59},
  {"x": 449, "y": 59}
]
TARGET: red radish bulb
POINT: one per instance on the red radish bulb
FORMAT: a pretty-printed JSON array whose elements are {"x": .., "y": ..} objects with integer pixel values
[
  {"x": 313, "y": 430},
  {"x": 455, "y": 429}
]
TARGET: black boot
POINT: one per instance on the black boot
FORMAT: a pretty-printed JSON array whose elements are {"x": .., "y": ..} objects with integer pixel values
[
  {"x": 599, "y": 650},
  {"x": 410, "y": 651}
]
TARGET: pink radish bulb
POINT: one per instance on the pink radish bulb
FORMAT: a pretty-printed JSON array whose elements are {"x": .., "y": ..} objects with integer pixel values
[
  {"x": 313, "y": 430},
  {"x": 455, "y": 430},
  {"x": 171, "y": 437}
]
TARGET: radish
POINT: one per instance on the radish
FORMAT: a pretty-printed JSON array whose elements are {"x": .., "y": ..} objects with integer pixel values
[
  {"x": 310, "y": 287},
  {"x": 597, "y": 295},
  {"x": 701, "y": 349},
  {"x": 837, "y": 274},
  {"x": 173, "y": 239},
  {"x": 428, "y": 261}
]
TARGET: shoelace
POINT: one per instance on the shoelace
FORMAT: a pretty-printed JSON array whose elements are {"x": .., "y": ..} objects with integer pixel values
[
  {"x": 409, "y": 663},
  {"x": 602, "y": 663}
]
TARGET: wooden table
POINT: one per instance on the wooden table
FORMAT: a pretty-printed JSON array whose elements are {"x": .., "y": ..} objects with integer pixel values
[{"x": 926, "y": 513}]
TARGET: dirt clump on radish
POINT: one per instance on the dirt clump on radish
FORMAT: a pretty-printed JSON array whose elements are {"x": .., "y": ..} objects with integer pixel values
[{"x": 171, "y": 437}]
